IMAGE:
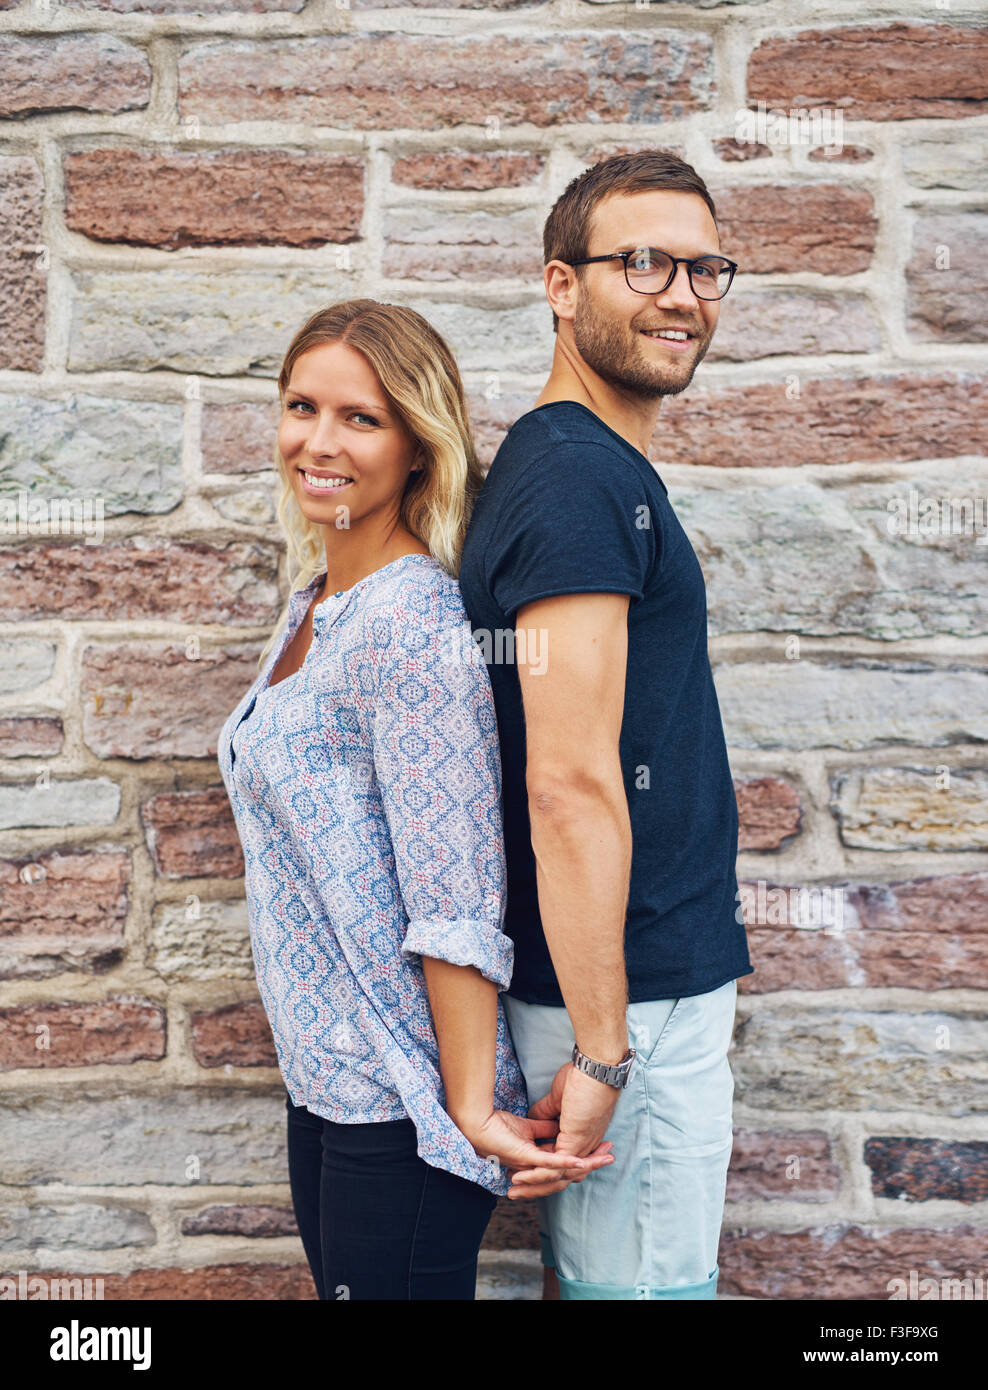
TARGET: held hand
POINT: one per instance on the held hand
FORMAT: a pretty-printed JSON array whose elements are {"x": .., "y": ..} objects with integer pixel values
[
  {"x": 583, "y": 1106},
  {"x": 541, "y": 1181},
  {"x": 510, "y": 1139}
]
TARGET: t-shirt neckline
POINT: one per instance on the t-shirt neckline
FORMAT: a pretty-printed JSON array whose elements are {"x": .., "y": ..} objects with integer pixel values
[{"x": 547, "y": 405}]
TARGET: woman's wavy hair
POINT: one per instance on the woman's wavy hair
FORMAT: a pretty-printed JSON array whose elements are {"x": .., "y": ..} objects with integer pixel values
[{"x": 420, "y": 379}]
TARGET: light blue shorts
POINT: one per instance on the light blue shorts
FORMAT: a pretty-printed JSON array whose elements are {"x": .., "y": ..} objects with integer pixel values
[{"x": 647, "y": 1225}]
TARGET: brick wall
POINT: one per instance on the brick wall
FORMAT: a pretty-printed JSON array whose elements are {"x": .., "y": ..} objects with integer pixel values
[{"x": 181, "y": 184}]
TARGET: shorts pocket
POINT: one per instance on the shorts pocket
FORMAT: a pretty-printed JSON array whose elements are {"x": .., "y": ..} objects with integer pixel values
[{"x": 652, "y": 1024}]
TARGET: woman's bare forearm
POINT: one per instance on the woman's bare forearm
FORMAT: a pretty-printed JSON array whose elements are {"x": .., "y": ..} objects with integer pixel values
[{"x": 464, "y": 1014}]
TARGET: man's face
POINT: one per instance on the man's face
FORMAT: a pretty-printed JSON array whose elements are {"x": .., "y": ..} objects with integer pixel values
[{"x": 611, "y": 319}]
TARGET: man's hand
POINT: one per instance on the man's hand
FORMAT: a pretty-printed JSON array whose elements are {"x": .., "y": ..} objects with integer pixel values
[{"x": 584, "y": 1107}]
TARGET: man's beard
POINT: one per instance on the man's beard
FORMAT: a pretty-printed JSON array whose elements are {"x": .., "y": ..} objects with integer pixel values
[{"x": 604, "y": 345}]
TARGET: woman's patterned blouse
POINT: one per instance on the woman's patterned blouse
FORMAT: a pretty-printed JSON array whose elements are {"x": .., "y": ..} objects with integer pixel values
[{"x": 366, "y": 789}]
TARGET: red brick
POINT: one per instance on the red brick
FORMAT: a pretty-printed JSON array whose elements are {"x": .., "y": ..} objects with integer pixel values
[
  {"x": 769, "y": 812},
  {"x": 222, "y": 198},
  {"x": 239, "y": 438},
  {"x": 238, "y": 1035},
  {"x": 544, "y": 80},
  {"x": 821, "y": 227},
  {"x": 762, "y": 1167},
  {"x": 193, "y": 834},
  {"x": 23, "y": 278},
  {"x": 925, "y": 935},
  {"x": 175, "y": 581},
  {"x": 155, "y": 700},
  {"x": 845, "y": 1262},
  {"x": 895, "y": 418},
  {"x": 115, "y": 1030},
  {"x": 951, "y": 904},
  {"x": 893, "y": 72},
  {"x": 82, "y": 72},
  {"x": 467, "y": 169},
  {"x": 606, "y": 148},
  {"x": 70, "y": 919},
  {"x": 846, "y": 154},
  {"x": 738, "y": 151},
  {"x": 927, "y": 1170},
  {"x": 257, "y": 1222},
  {"x": 29, "y": 737},
  {"x": 275, "y": 1282}
]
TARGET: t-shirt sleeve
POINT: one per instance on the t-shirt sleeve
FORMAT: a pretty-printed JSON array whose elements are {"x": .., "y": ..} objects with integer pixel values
[{"x": 576, "y": 521}]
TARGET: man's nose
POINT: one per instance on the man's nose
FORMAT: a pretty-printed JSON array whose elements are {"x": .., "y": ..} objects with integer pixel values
[{"x": 680, "y": 293}]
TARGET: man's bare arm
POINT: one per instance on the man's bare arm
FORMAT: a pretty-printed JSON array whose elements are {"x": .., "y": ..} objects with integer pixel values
[{"x": 581, "y": 830}]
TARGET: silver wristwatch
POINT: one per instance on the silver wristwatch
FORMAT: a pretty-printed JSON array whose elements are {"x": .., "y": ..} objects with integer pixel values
[{"x": 615, "y": 1075}]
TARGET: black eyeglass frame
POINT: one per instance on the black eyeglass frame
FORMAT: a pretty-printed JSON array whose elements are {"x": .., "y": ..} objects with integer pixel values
[{"x": 677, "y": 261}]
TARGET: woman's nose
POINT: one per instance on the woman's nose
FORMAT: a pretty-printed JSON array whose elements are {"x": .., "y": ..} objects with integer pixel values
[{"x": 323, "y": 437}]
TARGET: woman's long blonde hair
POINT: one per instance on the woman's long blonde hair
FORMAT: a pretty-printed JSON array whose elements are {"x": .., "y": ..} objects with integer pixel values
[{"x": 419, "y": 377}]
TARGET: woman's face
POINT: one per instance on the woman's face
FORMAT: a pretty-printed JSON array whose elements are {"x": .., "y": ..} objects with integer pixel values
[{"x": 342, "y": 444}]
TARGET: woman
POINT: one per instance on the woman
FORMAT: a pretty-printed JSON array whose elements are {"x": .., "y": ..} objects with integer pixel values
[{"x": 364, "y": 774}]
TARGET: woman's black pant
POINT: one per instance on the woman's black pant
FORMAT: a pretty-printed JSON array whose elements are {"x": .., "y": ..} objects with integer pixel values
[{"x": 376, "y": 1220}]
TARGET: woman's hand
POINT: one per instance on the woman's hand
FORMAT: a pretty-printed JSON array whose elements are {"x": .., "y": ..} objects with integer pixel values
[
  {"x": 464, "y": 1011},
  {"x": 509, "y": 1140}
]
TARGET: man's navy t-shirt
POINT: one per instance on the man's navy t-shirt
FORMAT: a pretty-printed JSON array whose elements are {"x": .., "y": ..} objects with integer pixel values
[{"x": 571, "y": 507}]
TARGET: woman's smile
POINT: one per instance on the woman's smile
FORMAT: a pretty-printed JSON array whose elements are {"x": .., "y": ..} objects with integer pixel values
[{"x": 317, "y": 483}]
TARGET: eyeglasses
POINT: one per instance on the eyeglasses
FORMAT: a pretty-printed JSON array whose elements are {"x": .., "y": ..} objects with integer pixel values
[{"x": 650, "y": 271}]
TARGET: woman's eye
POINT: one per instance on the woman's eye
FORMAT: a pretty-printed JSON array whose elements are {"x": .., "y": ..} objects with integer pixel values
[{"x": 355, "y": 415}]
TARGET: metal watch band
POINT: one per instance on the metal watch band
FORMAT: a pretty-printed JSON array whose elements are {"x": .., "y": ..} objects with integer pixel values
[{"x": 614, "y": 1073}]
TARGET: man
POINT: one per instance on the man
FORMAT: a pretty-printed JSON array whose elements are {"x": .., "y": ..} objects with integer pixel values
[{"x": 619, "y": 810}]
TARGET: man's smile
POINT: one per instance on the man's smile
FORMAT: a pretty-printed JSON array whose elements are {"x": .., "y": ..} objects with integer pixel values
[{"x": 677, "y": 339}]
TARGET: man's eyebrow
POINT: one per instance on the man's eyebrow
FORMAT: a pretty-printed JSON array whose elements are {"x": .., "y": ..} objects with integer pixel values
[{"x": 634, "y": 246}]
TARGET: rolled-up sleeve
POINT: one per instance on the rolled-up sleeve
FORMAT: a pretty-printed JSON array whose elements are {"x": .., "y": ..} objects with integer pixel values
[{"x": 438, "y": 767}]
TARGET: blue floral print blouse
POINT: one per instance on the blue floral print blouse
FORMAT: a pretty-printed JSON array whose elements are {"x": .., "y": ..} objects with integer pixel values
[{"x": 366, "y": 789}]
